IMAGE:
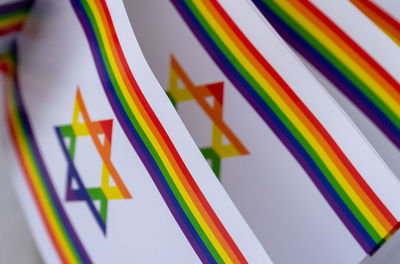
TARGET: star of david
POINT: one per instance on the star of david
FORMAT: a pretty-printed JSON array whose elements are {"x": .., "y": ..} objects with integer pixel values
[{"x": 100, "y": 133}]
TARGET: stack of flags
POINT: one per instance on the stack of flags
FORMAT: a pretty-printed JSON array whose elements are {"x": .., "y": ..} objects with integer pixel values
[{"x": 204, "y": 131}]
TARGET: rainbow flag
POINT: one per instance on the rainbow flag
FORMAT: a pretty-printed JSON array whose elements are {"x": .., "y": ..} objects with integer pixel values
[
  {"x": 55, "y": 220},
  {"x": 381, "y": 18},
  {"x": 191, "y": 210},
  {"x": 355, "y": 203}
]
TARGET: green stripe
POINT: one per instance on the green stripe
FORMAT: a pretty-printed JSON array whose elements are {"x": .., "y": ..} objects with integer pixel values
[
  {"x": 97, "y": 194},
  {"x": 363, "y": 87},
  {"x": 287, "y": 123},
  {"x": 210, "y": 155},
  {"x": 148, "y": 144},
  {"x": 67, "y": 131},
  {"x": 23, "y": 13}
]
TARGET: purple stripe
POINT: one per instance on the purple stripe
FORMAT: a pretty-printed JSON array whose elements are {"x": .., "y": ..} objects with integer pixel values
[{"x": 15, "y": 7}]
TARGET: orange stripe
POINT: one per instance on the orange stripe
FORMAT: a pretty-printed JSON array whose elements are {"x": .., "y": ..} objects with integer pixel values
[
  {"x": 13, "y": 21},
  {"x": 105, "y": 158}
]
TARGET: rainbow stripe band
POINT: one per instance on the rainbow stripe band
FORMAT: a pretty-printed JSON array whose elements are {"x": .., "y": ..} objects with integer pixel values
[
  {"x": 381, "y": 18},
  {"x": 363, "y": 213},
  {"x": 340, "y": 59},
  {"x": 13, "y": 16},
  {"x": 56, "y": 222},
  {"x": 191, "y": 210}
]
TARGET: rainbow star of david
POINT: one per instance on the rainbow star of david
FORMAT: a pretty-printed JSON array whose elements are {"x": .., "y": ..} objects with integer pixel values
[
  {"x": 100, "y": 133},
  {"x": 199, "y": 93}
]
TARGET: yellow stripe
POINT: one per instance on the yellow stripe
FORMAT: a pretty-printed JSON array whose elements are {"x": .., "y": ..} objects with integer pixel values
[
  {"x": 341, "y": 55},
  {"x": 154, "y": 141},
  {"x": 179, "y": 94},
  {"x": 81, "y": 129},
  {"x": 24, "y": 149},
  {"x": 293, "y": 117},
  {"x": 111, "y": 192},
  {"x": 223, "y": 151},
  {"x": 10, "y": 21},
  {"x": 394, "y": 38}
]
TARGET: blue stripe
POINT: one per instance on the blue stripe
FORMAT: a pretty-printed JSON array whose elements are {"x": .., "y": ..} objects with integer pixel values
[{"x": 81, "y": 193}]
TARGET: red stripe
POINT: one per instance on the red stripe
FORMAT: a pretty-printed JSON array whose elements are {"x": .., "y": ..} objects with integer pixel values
[
  {"x": 378, "y": 203},
  {"x": 380, "y": 12},
  {"x": 13, "y": 28},
  {"x": 169, "y": 143}
]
